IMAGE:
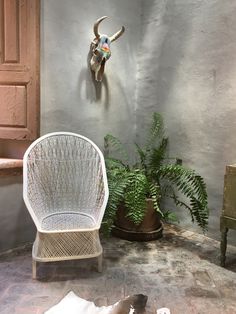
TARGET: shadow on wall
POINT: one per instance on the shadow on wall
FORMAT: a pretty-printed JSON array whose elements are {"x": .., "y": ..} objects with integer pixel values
[
  {"x": 165, "y": 32},
  {"x": 16, "y": 225},
  {"x": 26, "y": 230},
  {"x": 93, "y": 89}
]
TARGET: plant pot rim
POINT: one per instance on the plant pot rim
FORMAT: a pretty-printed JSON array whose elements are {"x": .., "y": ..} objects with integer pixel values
[{"x": 136, "y": 235}]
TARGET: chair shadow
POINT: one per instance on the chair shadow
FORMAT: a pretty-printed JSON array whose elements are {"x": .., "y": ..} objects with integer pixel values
[{"x": 68, "y": 270}]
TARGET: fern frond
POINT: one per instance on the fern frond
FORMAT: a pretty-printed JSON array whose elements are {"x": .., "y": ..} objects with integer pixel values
[
  {"x": 156, "y": 130},
  {"x": 193, "y": 187},
  {"x": 117, "y": 182},
  {"x": 113, "y": 163},
  {"x": 155, "y": 193},
  {"x": 156, "y": 157},
  {"x": 141, "y": 154},
  {"x": 199, "y": 212},
  {"x": 170, "y": 216},
  {"x": 135, "y": 196},
  {"x": 113, "y": 143}
]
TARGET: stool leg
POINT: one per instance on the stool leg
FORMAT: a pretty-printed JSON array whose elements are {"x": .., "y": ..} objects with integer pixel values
[{"x": 223, "y": 245}]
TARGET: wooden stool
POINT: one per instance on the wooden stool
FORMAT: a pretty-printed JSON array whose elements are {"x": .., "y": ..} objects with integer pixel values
[{"x": 228, "y": 217}]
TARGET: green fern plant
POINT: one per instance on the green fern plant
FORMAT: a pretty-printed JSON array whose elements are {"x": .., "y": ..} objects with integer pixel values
[{"x": 153, "y": 176}]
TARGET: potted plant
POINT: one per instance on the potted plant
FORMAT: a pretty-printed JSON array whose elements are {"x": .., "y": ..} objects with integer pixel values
[{"x": 136, "y": 191}]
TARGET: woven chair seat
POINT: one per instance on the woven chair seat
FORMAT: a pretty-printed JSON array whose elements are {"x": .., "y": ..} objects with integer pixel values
[{"x": 67, "y": 221}]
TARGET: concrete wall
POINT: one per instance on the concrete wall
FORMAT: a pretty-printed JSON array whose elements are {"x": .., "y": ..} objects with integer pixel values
[
  {"x": 16, "y": 227},
  {"x": 70, "y": 99},
  {"x": 187, "y": 71}
]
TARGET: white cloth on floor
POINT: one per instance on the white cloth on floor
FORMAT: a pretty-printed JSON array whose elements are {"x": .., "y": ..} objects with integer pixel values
[
  {"x": 72, "y": 304},
  {"x": 163, "y": 310}
]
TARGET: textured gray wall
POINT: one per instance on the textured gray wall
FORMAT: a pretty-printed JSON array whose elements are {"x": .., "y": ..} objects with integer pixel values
[
  {"x": 187, "y": 71},
  {"x": 70, "y": 99},
  {"x": 16, "y": 227}
]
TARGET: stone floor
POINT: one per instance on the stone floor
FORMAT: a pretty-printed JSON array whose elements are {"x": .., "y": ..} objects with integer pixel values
[{"x": 179, "y": 271}]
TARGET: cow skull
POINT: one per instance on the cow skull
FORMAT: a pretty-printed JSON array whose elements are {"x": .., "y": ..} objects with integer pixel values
[{"x": 101, "y": 51}]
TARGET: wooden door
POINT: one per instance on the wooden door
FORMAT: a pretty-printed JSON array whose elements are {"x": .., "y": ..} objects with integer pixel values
[{"x": 19, "y": 69}]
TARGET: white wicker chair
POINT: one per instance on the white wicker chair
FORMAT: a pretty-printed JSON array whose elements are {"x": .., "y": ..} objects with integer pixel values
[{"x": 65, "y": 190}]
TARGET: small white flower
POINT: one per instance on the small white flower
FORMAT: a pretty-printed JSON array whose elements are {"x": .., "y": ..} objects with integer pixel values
[
  {"x": 131, "y": 310},
  {"x": 163, "y": 310}
]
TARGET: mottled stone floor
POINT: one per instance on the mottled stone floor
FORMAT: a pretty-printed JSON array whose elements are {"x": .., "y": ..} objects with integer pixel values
[{"x": 180, "y": 272}]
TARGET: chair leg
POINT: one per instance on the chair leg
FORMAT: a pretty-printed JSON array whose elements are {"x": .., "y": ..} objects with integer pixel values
[
  {"x": 223, "y": 245},
  {"x": 100, "y": 263},
  {"x": 34, "y": 269}
]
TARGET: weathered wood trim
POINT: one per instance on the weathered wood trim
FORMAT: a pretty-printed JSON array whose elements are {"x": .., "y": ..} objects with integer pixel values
[{"x": 11, "y": 167}]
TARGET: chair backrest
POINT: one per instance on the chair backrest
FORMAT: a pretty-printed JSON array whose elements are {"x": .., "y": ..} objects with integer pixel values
[{"x": 64, "y": 172}]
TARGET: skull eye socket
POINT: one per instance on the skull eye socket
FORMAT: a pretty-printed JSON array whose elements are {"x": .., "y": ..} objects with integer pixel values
[{"x": 98, "y": 56}]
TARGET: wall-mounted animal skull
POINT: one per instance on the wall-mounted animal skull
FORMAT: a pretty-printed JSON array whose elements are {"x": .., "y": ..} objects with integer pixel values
[{"x": 101, "y": 51}]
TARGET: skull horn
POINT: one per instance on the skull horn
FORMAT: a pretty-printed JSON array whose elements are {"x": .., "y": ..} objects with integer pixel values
[
  {"x": 96, "y": 24},
  {"x": 118, "y": 34}
]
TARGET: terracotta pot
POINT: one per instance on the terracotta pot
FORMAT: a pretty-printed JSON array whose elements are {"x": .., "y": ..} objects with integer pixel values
[{"x": 149, "y": 229}]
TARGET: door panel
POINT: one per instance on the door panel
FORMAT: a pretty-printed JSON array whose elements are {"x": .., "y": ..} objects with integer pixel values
[
  {"x": 13, "y": 106},
  {"x": 19, "y": 69},
  {"x": 11, "y": 31}
]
